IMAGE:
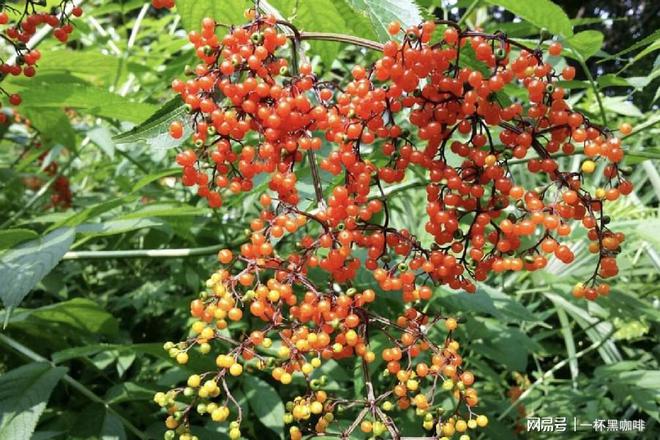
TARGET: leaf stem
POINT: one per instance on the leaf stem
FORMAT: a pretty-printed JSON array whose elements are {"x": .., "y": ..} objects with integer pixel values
[
  {"x": 342, "y": 38},
  {"x": 28, "y": 353},
  {"x": 146, "y": 253},
  {"x": 590, "y": 77},
  {"x": 468, "y": 11}
]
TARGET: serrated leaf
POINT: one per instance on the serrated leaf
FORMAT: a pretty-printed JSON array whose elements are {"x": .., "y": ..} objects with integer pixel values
[
  {"x": 53, "y": 124},
  {"x": 155, "y": 130},
  {"x": 193, "y": 11},
  {"x": 70, "y": 92},
  {"x": 93, "y": 66},
  {"x": 12, "y": 237},
  {"x": 265, "y": 402},
  {"x": 383, "y": 12},
  {"x": 24, "y": 393},
  {"x": 586, "y": 43},
  {"x": 541, "y": 13},
  {"x": 23, "y": 267},
  {"x": 325, "y": 16},
  {"x": 321, "y": 15}
]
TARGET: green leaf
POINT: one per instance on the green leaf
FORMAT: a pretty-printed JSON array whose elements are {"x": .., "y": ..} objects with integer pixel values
[
  {"x": 96, "y": 422},
  {"x": 23, "y": 267},
  {"x": 82, "y": 351},
  {"x": 541, "y": 13},
  {"x": 102, "y": 137},
  {"x": 146, "y": 180},
  {"x": 67, "y": 91},
  {"x": 265, "y": 402},
  {"x": 155, "y": 130},
  {"x": 325, "y": 16},
  {"x": 486, "y": 300},
  {"x": 586, "y": 43},
  {"x": 114, "y": 227},
  {"x": 612, "y": 80},
  {"x": 383, "y": 12},
  {"x": 619, "y": 104},
  {"x": 91, "y": 212},
  {"x": 128, "y": 392},
  {"x": 648, "y": 231},
  {"x": 80, "y": 314},
  {"x": 626, "y": 380},
  {"x": 12, "y": 237},
  {"x": 166, "y": 210},
  {"x": 24, "y": 393},
  {"x": 53, "y": 125},
  {"x": 647, "y": 50},
  {"x": 93, "y": 66},
  {"x": 508, "y": 346},
  {"x": 193, "y": 11},
  {"x": 655, "y": 36}
]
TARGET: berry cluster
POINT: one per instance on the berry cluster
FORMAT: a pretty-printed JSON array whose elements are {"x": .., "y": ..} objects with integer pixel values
[
  {"x": 18, "y": 27},
  {"x": 419, "y": 108}
]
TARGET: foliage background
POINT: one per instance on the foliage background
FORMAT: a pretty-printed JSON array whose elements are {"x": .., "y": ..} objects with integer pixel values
[{"x": 83, "y": 348}]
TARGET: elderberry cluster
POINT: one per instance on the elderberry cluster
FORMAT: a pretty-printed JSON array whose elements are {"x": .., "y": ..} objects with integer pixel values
[{"x": 255, "y": 108}]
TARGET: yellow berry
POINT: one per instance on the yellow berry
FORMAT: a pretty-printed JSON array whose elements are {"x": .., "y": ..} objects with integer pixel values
[
  {"x": 198, "y": 326},
  {"x": 236, "y": 370},
  {"x": 482, "y": 421},
  {"x": 207, "y": 333},
  {"x": 412, "y": 385},
  {"x": 194, "y": 380},
  {"x": 273, "y": 295},
  {"x": 588, "y": 166},
  {"x": 316, "y": 407},
  {"x": 182, "y": 358}
]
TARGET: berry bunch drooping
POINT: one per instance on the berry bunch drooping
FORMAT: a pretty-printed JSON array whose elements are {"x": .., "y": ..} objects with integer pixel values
[
  {"x": 17, "y": 27},
  {"x": 256, "y": 107}
]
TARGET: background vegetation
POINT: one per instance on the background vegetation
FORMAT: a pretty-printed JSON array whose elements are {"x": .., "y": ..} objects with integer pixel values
[{"x": 83, "y": 349}]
